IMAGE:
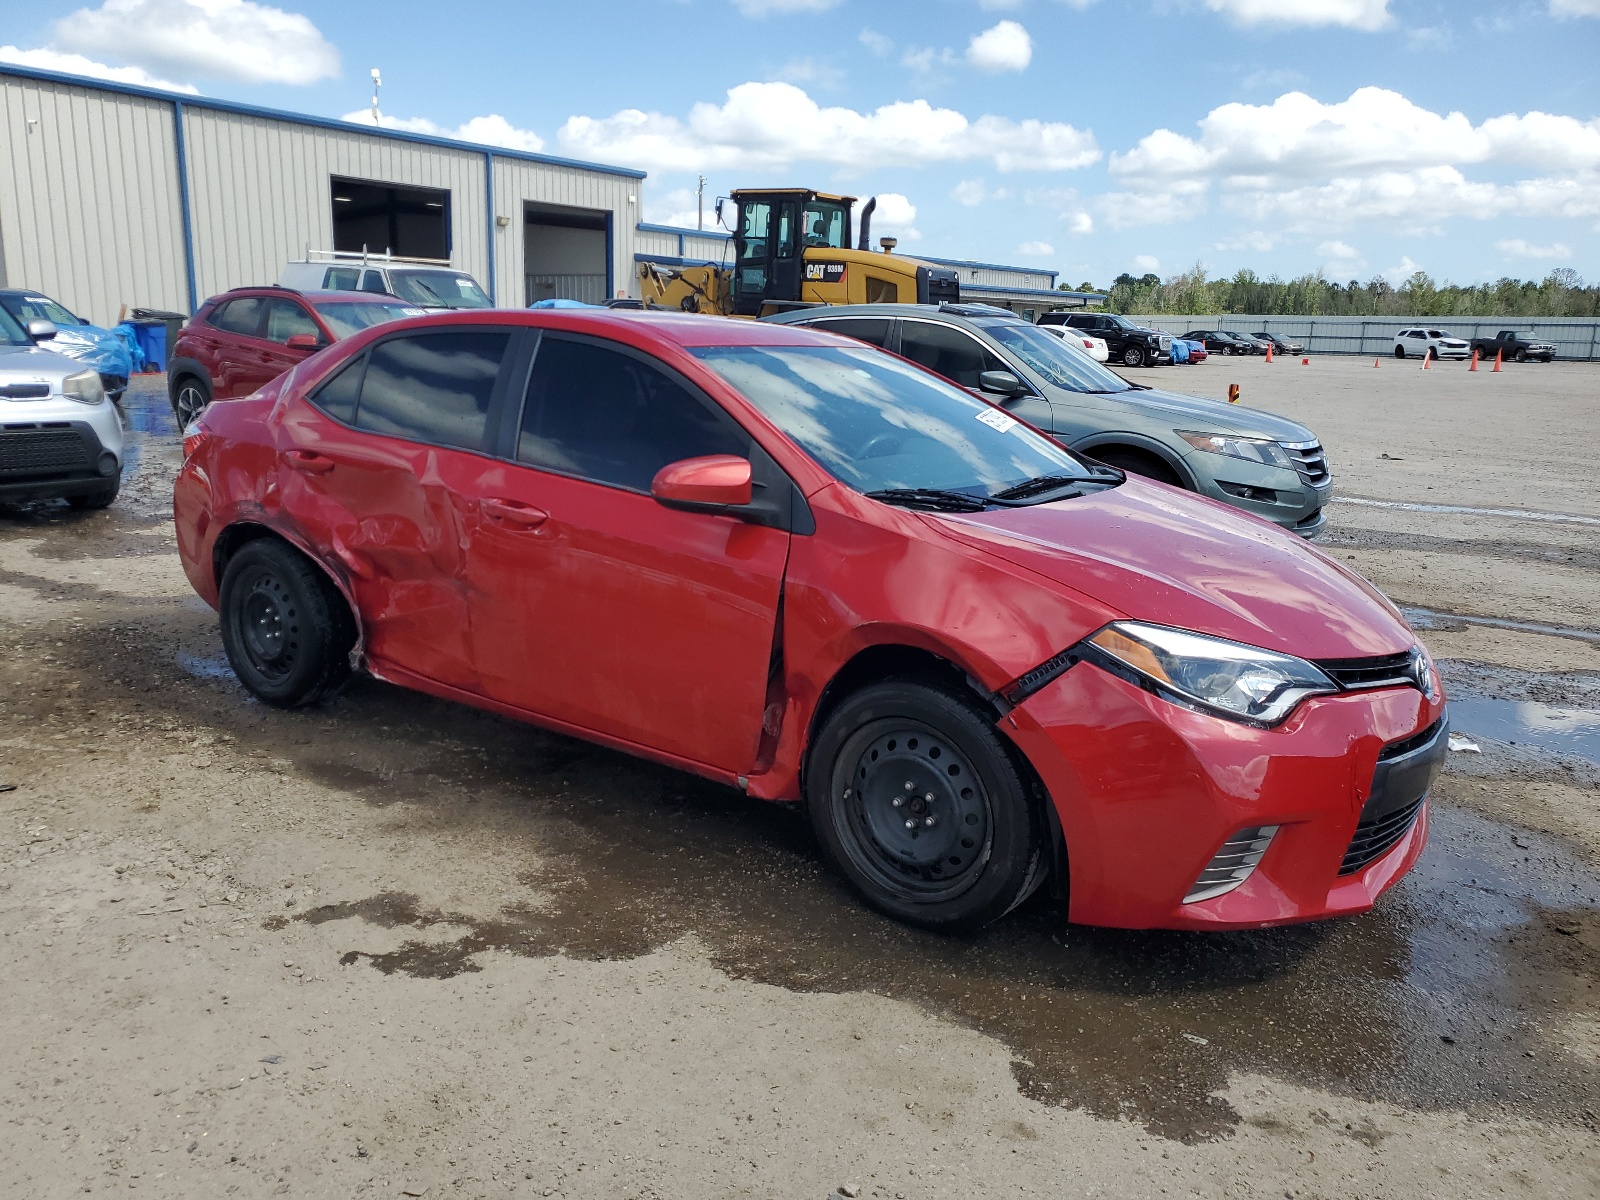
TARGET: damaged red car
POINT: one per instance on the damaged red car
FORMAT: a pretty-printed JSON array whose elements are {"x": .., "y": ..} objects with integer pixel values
[{"x": 812, "y": 571}]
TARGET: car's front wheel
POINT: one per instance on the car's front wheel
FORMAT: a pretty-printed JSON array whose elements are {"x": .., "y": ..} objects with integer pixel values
[
  {"x": 917, "y": 800},
  {"x": 1522, "y": 356},
  {"x": 1133, "y": 356},
  {"x": 286, "y": 629}
]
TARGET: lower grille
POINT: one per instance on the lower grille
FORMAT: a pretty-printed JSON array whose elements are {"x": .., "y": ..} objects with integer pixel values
[
  {"x": 40, "y": 451},
  {"x": 1233, "y": 864},
  {"x": 1376, "y": 836},
  {"x": 1309, "y": 459}
]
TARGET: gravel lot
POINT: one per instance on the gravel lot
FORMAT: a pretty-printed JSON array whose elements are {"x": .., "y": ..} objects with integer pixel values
[{"x": 397, "y": 947}]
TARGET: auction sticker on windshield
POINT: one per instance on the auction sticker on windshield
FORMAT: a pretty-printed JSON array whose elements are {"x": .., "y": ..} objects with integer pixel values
[{"x": 995, "y": 419}]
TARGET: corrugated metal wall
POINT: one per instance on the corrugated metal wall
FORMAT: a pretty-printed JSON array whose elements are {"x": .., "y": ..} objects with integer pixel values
[
  {"x": 1573, "y": 337},
  {"x": 89, "y": 207},
  {"x": 517, "y": 181},
  {"x": 260, "y": 192}
]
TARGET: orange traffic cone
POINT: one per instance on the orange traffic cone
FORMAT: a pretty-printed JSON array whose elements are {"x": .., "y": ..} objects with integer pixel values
[
  {"x": 1499, "y": 356},
  {"x": 1474, "y": 365},
  {"x": 1427, "y": 360},
  {"x": 1375, "y": 362},
  {"x": 1269, "y": 351}
]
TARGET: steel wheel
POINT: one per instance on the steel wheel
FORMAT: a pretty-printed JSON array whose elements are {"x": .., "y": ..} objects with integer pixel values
[
  {"x": 286, "y": 629},
  {"x": 189, "y": 402},
  {"x": 269, "y": 626}
]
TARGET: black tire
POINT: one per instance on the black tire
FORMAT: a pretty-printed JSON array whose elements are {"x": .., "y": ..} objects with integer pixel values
[
  {"x": 1133, "y": 356},
  {"x": 1399, "y": 351},
  {"x": 975, "y": 851},
  {"x": 286, "y": 629},
  {"x": 1522, "y": 356},
  {"x": 102, "y": 498},
  {"x": 190, "y": 395},
  {"x": 1138, "y": 462}
]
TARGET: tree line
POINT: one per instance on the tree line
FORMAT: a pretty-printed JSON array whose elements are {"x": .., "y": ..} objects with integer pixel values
[{"x": 1560, "y": 294}]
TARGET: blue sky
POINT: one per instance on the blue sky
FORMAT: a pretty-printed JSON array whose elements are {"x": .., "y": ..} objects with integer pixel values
[{"x": 1359, "y": 137}]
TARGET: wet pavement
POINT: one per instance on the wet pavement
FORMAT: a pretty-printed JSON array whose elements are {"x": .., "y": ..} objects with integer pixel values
[{"x": 1452, "y": 995}]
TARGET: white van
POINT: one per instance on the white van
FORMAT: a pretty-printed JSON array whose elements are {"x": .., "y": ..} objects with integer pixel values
[{"x": 423, "y": 282}]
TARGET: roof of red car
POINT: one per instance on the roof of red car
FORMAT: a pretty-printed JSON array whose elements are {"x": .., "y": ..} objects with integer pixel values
[{"x": 677, "y": 329}]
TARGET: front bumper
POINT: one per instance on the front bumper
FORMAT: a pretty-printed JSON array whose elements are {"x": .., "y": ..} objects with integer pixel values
[
  {"x": 55, "y": 447},
  {"x": 1272, "y": 493},
  {"x": 1147, "y": 792}
]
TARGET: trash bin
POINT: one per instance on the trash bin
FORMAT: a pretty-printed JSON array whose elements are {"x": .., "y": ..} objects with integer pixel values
[
  {"x": 152, "y": 338},
  {"x": 170, "y": 320}
]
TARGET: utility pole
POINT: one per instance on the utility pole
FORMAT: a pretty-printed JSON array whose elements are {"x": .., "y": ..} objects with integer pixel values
[
  {"x": 377, "y": 82},
  {"x": 700, "y": 204}
]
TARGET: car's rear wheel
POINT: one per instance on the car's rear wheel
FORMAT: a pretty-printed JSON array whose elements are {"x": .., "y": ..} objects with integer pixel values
[
  {"x": 1133, "y": 356},
  {"x": 1137, "y": 462},
  {"x": 917, "y": 800},
  {"x": 286, "y": 629},
  {"x": 1399, "y": 351},
  {"x": 189, "y": 399}
]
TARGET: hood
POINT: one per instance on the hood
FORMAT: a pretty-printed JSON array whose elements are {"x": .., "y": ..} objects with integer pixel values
[
  {"x": 31, "y": 364},
  {"x": 1213, "y": 416},
  {"x": 1158, "y": 554}
]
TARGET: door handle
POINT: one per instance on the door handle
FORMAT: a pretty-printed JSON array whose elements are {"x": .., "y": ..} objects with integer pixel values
[
  {"x": 510, "y": 512},
  {"x": 309, "y": 461}
]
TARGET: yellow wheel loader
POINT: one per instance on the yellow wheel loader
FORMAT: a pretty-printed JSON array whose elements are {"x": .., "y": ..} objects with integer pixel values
[{"x": 791, "y": 249}]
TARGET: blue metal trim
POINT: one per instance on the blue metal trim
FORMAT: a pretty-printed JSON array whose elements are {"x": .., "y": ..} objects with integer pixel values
[
  {"x": 488, "y": 193},
  {"x": 611, "y": 218},
  {"x": 1088, "y": 297},
  {"x": 649, "y": 227},
  {"x": 277, "y": 114},
  {"x": 962, "y": 262},
  {"x": 183, "y": 203}
]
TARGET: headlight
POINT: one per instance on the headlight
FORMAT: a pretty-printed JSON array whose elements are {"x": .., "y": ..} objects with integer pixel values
[
  {"x": 84, "y": 387},
  {"x": 1256, "y": 450},
  {"x": 1227, "y": 678}
]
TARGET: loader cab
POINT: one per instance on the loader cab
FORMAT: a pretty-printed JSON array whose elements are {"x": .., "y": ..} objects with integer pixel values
[{"x": 772, "y": 230}]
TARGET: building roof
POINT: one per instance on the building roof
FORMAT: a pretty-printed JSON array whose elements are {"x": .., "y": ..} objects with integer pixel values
[{"x": 292, "y": 118}]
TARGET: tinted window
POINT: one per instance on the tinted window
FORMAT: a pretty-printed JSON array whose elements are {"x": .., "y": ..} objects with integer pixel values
[
  {"x": 338, "y": 396},
  {"x": 339, "y": 279},
  {"x": 947, "y": 351},
  {"x": 434, "y": 387},
  {"x": 374, "y": 283},
  {"x": 347, "y": 318},
  {"x": 239, "y": 316},
  {"x": 607, "y": 416},
  {"x": 285, "y": 319},
  {"x": 863, "y": 329}
]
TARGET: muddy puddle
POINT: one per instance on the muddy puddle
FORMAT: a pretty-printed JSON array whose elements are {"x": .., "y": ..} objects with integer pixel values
[{"x": 1560, "y": 730}]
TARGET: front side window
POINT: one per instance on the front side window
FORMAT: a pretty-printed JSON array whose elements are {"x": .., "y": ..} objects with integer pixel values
[
  {"x": 947, "y": 351},
  {"x": 286, "y": 319},
  {"x": 872, "y": 330},
  {"x": 373, "y": 282},
  {"x": 432, "y": 387},
  {"x": 877, "y": 423},
  {"x": 1052, "y": 359},
  {"x": 240, "y": 316},
  {"x": 604, "y": 415}
]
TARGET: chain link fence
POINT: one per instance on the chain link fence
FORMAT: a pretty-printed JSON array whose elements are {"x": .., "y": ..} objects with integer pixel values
[{"x": 1573, "y": 338}]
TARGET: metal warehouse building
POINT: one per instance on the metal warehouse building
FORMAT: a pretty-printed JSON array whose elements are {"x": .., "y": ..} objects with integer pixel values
[{"x": 114, "y": 196}]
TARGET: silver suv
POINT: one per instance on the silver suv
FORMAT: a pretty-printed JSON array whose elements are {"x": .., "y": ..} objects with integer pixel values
[
  {"x": 1255, "y": 461},
  {"x": 60, "y": 436}
]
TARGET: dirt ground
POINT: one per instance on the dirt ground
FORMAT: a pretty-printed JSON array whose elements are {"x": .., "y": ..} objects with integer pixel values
[{"x": 396, "y": 947}]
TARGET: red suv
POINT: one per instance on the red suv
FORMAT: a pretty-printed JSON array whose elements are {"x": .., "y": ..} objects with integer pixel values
[
  {"x": 805, "y": 568},
  {"x": 246, "y": 338}
]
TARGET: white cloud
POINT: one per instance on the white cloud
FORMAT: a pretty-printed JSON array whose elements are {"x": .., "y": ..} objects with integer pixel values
[
  {"x": 1352, "y": 14},
  {"x": 926, "y": 58},
  {"x": 969, "y": 192},
  {"x": 1147, "y": 263},
  {"x": 876, "y": 42},
  {"x": 1575, "y": 8},
  {"x": 1036, "y": 250},
  {"x": 1402, "y": 270},
  {"x": 1178, "y": 201},
  {"x": 1338, "y": 250},
  {"x": 205, "y": 39},
  {"x": 1005, "y": 46},
  {"x": 77, "y": 64},
  {"x": 1080, "y": 223},
  {"x": 896, "y": 216},
  {"x": 771, "y": 125},
  {"x": 492, "y": 130},
  {"x": 769, "y": 8},
  {"x": 1518, "y": 248}
]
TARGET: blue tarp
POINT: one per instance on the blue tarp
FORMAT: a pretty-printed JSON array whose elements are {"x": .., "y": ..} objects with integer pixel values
[
  {"x": 101, "y": 349},
  {"x": 559, "y": 303},
  {"x": 1180, "y": 350},
  {"x": 130, "y": 338}
]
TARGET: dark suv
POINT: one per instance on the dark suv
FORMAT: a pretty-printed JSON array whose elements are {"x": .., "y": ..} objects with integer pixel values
[{"x": 1129, "y": 344}]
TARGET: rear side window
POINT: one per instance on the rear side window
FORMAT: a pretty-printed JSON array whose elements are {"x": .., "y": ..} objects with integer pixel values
[
  {"x": 865, "y": 329},
  {"x": 339, "y": 395},
  {"x": 239, "y": 316},
  {"x": 433, "y": 387},
  {"x": 341, "y": 279},
  {"x": 603, "y": 415},
  {"x": 948, "y": 352}
]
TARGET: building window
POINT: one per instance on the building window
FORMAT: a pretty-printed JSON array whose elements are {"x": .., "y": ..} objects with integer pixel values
[{"x": 384, "y": 218}]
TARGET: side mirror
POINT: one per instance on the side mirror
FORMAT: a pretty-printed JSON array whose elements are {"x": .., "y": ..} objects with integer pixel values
[
  {"x": 1002, "y": 382},
  {"x": 41, "y": 331},
  {"x": 303, "y": 341},
  {"x": 709, "y": 484}
]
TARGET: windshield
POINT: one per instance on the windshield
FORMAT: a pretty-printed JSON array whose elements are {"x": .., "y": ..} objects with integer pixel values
[
  {"x": 11, "y": 331},
  {"x": 878, "y": 423},
  {"x": 347, "y": 318},
  {"x": 38, "y": 308},
  {"x": 1053, "y": 358},
  {"x": 434, "y": 289}
]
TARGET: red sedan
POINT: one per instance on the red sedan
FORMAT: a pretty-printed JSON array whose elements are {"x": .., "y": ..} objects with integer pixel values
[{"x": 810, "y": 570}]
